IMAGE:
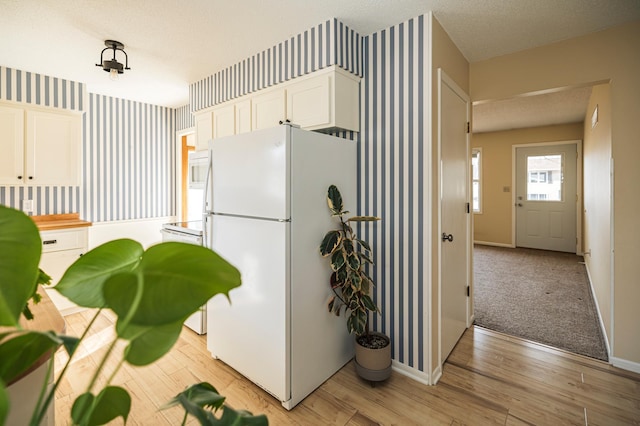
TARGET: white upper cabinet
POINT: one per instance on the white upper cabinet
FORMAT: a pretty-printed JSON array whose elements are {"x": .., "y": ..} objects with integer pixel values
[
  {"x": 328, "y": 99},
  {"x": 12, "y": 145},
  {"x": 45, "y": 151},
  {"x": 308, "y": 102},
  {"x": 204, "y": 129},
  {"x": 268, "y": 108},
  {"x": 224, "y": 121},
  {"x": 243, "y": 116},
  {"x": 53, "y": 148}
]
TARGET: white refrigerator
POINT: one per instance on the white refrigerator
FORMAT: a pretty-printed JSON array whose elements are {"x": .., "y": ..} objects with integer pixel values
[{"x": 268, "y": 216}]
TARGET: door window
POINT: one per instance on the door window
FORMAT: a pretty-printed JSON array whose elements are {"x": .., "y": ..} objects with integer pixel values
[{"x": 544, "y": 181}]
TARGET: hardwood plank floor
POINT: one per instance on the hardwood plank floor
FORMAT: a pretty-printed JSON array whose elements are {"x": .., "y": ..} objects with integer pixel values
[{"x": 490, "y": 378}]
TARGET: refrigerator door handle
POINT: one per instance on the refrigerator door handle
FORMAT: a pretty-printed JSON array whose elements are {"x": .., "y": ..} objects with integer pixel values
[{"x": 205, "y": 198}]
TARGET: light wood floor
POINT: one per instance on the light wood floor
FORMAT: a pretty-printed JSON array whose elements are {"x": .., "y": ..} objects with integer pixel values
[{"x": 489, "y": 378}]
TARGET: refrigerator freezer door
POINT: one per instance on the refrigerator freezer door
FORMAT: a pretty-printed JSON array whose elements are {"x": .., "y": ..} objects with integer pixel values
[
  {"x": 250, "y": 174},
  {"x": 250, "y": 334}
]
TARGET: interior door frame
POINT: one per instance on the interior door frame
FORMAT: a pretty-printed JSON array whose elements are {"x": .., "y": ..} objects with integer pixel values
[
  {"x": 443, "y": 78},
  {"x": 579, "y": 188},
  {"x": 178, "y": 169}
]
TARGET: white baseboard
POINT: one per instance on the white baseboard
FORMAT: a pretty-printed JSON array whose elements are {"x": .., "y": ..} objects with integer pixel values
[
  {"x": 417, "y": 375},
  {"x": 625, "y": 364},
  {"x": 488, "y": 243},
  {"x": 595, "y": 300},
  {"x": 145, "y": 231}
]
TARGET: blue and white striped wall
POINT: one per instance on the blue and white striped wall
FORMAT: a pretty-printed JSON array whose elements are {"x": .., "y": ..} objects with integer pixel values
[
  {"x": 128, "y": 152},
  {"x": 184, "y": 118},
  {"x": 129, "y": 160},
  {"x": 394, "y": 182},
  {"x": 326, "y": 44},
  {"x": 41, "y": 90},
  {"x": 393, "y": 161}
]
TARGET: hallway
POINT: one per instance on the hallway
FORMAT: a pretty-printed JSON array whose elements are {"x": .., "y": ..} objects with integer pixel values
[{"x": 539, "y": 295}]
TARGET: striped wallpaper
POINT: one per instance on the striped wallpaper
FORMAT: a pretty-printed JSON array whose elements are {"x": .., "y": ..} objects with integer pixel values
[
  {"x": 328, "y": 43},
  {"x": 184, "y": 118},
  {"x": 393, "y": 171},
  {"x": 41, "y": 90},
  {"x": 38, "y": 89},
  {"x": 129, "y": 160},
  {"x": 394, "y": 182}
]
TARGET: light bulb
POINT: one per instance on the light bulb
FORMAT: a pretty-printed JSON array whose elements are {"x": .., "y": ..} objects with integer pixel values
[{"x": 113, "y": 74}]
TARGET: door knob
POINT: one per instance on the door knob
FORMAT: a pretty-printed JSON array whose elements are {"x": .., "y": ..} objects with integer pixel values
[
  {"x": 519, "y": 204},
  {"x": 447, "y": 237}
]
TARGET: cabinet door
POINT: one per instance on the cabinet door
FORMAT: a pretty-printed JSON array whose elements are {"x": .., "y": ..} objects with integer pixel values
[
  {"x": 268, "y": 109},
  {"x": 224, "y": 121},
  {"x": 204, "y": 130},
  {"x": 308, "y": 102},
  {"x": 53, "y": 146},
  {"x": 11, "y": 145},
  {"x": 243, "y": 116},
  {"x": 55, "y": 264}
]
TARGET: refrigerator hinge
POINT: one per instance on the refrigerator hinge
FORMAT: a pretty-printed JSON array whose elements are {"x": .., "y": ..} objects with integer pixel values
[{"x": 468, "y": 291}]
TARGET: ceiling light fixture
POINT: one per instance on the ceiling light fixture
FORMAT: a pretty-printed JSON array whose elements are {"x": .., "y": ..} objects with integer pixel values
[{"x": 112, "y": 66}]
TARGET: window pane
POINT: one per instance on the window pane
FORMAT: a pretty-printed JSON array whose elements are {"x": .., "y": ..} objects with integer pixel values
[
  {"x": 545, "y": 177},
  {"x": 476, "y": 196}
]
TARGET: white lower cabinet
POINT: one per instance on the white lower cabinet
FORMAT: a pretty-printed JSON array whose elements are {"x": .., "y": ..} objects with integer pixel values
[{"x": 60, "y": 248}]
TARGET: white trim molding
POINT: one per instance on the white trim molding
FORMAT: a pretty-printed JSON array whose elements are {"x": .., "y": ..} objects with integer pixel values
[
  {"x": 625, "y": 364},
  {"x": 489, "y": 243},
  {"x": 413, "y": 373}
]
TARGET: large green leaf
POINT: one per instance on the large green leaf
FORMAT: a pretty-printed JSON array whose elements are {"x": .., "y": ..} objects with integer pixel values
[
  {"x": 112, "y": 402},
  {"x": 353, "y": 261},
  {"x": 4, "y": 403},
  {"x": 21, "y": 351},
  {"x": 152, "y": 343},
  {"x": 337, "y": 260},
  {"x": 197, "y": 398},
  {"x": 81, "y": 409},
  {"x": 330, "y": 242},
  {"x": 334, "y": 200},
  {"x": 84, "y": 280},
  {"x": 176, "y": 280},
  {"x": 20, "y": 248}
]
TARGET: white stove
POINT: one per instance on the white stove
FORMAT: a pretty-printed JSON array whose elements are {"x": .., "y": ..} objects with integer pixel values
[{"x": 191, "y": 233}]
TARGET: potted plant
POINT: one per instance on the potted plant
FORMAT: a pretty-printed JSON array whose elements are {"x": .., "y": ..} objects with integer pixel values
[
  {"x": 144, "y": 288},
  {"x": 351, "y": 286}
]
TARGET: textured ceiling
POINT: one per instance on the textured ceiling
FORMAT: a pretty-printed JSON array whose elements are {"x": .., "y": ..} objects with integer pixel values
[
  {"x": 172, "y": 43},
  {"x": 559, "y": 107}
]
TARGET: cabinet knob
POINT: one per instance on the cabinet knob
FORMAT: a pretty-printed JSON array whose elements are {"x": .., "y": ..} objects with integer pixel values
[
  {"x": 19, "y": 177},
  {"x": 30, "y": 177}
]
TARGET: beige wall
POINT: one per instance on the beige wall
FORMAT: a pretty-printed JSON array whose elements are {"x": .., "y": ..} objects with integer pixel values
[
  {"x": 597, "y": 200},
  {"x": 494, "y": 224},
  {"x": 445, "y": 55},
  {"x": 611, "y": 55}
]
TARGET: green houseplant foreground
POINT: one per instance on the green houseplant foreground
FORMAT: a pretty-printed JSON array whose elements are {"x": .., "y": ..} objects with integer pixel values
[
  {"x": 145, "y": 289},
  {"x": 352, "y": 287}
]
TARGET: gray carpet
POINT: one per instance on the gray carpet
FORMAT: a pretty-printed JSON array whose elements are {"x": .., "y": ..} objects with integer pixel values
[{"x": 538, "y": 295}]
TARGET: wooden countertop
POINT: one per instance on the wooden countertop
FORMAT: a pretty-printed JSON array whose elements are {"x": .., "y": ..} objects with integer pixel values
[
  {"x": 59, "y": 221},
  {"x": 45, "y": 317}
]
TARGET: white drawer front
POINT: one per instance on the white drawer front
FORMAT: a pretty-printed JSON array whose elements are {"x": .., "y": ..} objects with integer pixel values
[{"x": 66, "y": 239}]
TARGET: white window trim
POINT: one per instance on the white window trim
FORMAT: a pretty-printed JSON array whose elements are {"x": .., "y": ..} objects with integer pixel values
[{"x": 480, "y": 203}]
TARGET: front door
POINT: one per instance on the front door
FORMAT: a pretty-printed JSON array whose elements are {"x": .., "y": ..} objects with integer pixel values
[
  {"x": 546, "y": 197},
  {"x": 454, "y": 219}
]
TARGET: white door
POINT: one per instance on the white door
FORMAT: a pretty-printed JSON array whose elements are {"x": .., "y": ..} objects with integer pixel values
[
  {"x": 546, "y": 197},
  {"x": 454, "y": 219}
]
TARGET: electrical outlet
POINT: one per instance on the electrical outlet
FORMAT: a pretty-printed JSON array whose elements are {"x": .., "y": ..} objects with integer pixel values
[{"x": 27, "y": 206}]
